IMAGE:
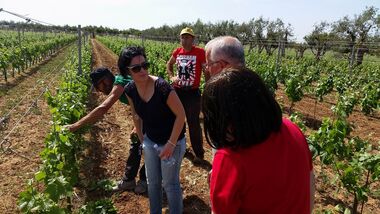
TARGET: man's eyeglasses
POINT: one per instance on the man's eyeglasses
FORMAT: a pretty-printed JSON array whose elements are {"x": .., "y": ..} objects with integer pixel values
[
  {"x": 210, "y": 63},
  {"x": 137, "y": 68}
]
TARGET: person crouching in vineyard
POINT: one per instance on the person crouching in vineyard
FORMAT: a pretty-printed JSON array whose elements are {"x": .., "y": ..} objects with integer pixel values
[
  {"x": 156, "y": 107},
  {"x": 104, "y": 81},
  {"x": 264, "y": 165}
]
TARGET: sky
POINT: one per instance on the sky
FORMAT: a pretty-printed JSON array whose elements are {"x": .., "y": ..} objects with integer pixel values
[{"x": 143, "y": 14}]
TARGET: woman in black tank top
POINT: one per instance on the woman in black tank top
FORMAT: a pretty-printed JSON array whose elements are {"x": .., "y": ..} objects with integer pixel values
[{"x": 157, "y": 109}]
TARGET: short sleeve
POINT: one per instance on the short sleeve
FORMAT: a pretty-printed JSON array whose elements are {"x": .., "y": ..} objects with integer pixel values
[
  {"x": 120, "y": 80},
  {"x": 224, "y": 184},
  {"x": 175, "y": 53},
  {"x": 130, "y": 88},
  {"x": 301, "y": 138},
  {"x": 202, "y": 56},
  {"x": 164, "y": 87}
]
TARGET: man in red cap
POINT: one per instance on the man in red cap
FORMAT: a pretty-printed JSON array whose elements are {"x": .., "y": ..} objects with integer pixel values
[{"x": 190, "y": 62}]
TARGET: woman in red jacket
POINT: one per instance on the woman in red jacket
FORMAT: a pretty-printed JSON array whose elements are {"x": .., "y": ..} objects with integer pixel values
[{"x": 262, "y": 163}]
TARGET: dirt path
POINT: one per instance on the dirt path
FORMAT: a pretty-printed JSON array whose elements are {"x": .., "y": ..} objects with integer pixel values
[
  {"x": 108, "y": 144},
  {"x": 25, "y": 126}
]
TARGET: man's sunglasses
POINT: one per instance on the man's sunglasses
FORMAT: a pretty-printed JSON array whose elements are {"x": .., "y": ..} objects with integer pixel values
[{"x": 137, "y": 68}]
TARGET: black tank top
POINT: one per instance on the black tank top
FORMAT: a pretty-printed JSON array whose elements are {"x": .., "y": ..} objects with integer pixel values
[{"x": 158, "y": 119}]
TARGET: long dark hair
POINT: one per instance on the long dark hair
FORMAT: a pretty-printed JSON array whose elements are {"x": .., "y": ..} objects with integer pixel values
[
  {"x": 238, "y": 102},
  {"x": 126, "y": 56}
]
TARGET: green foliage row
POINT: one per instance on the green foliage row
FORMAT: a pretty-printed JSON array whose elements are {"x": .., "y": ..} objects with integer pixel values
[
  {"x": 31, "y": 48},
  {"x": 51, "y": 189},
  {"x": 302, "y": 76}
]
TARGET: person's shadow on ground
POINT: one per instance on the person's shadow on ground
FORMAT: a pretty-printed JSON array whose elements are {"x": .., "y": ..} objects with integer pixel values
[
  {"x": 204, "y": 164},
  {"x": 193, "y": 204}
]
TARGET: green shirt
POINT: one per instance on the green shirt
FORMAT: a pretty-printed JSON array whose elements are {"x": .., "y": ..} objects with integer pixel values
[{"x": 120, "y": 80}]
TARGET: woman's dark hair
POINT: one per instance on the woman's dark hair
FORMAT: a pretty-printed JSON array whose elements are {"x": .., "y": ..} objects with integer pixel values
[
  {"x": 238, "y": 102},
  {"x": 126, "y": 56}
]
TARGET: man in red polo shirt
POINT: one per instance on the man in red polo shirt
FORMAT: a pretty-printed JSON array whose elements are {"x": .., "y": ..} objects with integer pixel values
[{"x": 189, "y": 61}]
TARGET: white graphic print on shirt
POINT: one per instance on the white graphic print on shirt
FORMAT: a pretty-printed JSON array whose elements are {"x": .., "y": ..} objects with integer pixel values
[{"x": 186, "y": 70}]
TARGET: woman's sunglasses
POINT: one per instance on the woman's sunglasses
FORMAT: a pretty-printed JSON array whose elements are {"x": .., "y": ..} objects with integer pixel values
[{"x": 137, "y": 68}]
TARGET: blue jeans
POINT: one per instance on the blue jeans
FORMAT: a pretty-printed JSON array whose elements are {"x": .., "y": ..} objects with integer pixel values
[{"x": 160, "y": 174}]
